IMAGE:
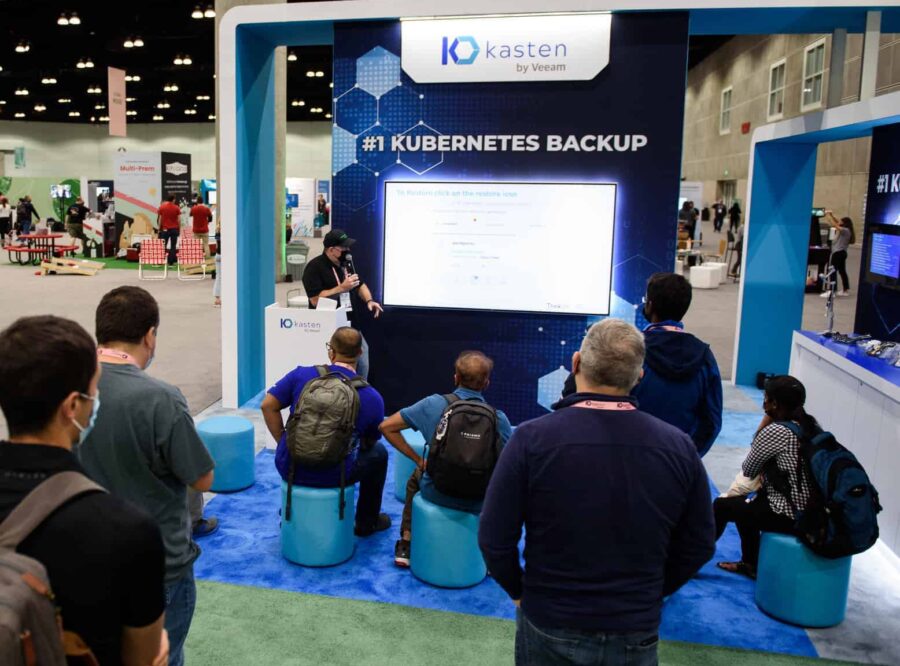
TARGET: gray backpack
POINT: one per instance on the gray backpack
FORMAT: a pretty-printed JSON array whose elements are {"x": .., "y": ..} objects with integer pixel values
[
  {"x": 321, "y": 431},
  {"x": 31, "y": 631}
]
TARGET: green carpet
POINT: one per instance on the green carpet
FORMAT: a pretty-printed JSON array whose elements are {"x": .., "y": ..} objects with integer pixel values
[
  {"x": 245, "y": 626},
  {"x": 113, "y": 262}
]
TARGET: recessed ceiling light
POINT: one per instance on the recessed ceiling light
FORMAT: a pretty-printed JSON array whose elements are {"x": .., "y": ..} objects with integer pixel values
[
  {"x": 2, "y": 101},
  {"x": 1, "y": 68},
  {"x": 138, "y": 42},
  {"x": 298, "y": 102},
  {"x": 64, "y": 100},
  {"x": 104, "y": 119},
  {"x": 99, "y": 107},
  {"x": 158, "y": 118},
  {"x": 177, "y": 60},
  {"x": 20, "y": 115},
  {"x": 89, "y": 63},
  {"x": 62, "y": 20},
  {"x": 187, "y": 60},
  {"x": 210, "y": 12},
  {"x": 74, "y": 114},
  {"x": 170, "y": 87},
  {"x": 163, "y": 105},
  {"x": 129, "y": 43},
  {"x": 132, "y": 77},
  {"x": 328, "y": 115},
  {"x": 23, "y": 47},
  {"x": 310, "y": 73},
  {"x": 320, "y": 74},
  {"x": 212, "y": 116},
  {"x": 81, "y": 64},
  {"x": 21, "y": 91},
  {"x": 331, "y": 85},
  {"x": 190, "y": 112},
  {"x": 40, "y": 107},
  {"x": 48, "y": 80},
  {"x": 292, "y": 57},
  {"x": 94, "y": 90},
  {"x": 93, "y": 119},
  {"x": 202, "y": 98},
  {"x": 131, "y": 113},
  {"x": 74, "y": 20},
  {"x": 197, "y": 13}
]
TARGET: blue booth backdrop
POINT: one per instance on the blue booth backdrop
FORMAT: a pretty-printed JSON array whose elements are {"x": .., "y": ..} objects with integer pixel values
[
  {"x": 640, "y": 92},
  {"x": 878, "y": 307}
]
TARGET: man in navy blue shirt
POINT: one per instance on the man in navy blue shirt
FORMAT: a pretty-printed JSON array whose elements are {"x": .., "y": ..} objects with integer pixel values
[
  {"x": 616, "y": 509},
  {"x": 366, "y": 464},
  {"x": 471, "y": 377}
]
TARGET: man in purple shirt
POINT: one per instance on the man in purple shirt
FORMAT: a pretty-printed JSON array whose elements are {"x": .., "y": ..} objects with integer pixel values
[{"x": 366, "y": 464}]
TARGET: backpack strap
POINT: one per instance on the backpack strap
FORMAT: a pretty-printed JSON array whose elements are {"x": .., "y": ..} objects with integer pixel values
[
  {"x": 322, "y": 370},
  {"x": 37, "y": 506},
  {"x": 451, "y": 398}
]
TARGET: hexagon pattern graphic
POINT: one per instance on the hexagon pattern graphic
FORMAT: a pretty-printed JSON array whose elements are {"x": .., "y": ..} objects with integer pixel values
[
  {"x": 421, "y": 161},
  {"x": 375, "y": 160},
  {"x": 378, "y": 71},
  {"x": 343, "y": 148},
  {"x": 550, "y": 387},
  {"x": 358, "y": 184},
  {"x": 356, "y": 111},
  {"x": 399, "y": 109}
]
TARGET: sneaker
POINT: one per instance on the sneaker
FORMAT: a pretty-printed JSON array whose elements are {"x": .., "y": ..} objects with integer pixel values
[
  {"x": 824, "y": 294},
  {"x": 401, "y": 553},
  {"x": 205, "y": 527},
  {"x": 845, "y": 292},
  {"x": 383, "y": 523}
]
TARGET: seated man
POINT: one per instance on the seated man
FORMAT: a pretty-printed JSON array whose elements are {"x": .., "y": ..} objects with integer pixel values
[
  {"x": 366, "y": 464},
  {"x": 472, "y": 374}
]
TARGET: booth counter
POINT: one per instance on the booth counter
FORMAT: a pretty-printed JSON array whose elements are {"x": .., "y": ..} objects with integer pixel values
[
  {"x": 856, "y": 397},
  {"x": 297, "y": 336}
]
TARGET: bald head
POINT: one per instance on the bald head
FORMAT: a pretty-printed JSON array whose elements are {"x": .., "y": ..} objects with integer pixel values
[
  {"x": 473, "y": 370},
  {"x": 346, "y": 343}
]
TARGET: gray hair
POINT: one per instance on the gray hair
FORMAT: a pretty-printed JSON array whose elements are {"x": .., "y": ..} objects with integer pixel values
[{"x": 612, "y": 354}]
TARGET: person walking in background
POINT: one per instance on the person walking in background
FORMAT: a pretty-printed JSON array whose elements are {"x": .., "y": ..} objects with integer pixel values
[
  {"x": 24, "y": 213},
  {"x": 616, "y": 509},
  {"x": 846, "y": 236},
  {"x": 201, "y": 216},
  {"x": 168, "y": 223},
  {"x": 719, "y": 212},
  {"x": 145, "y": 447},
  {"x": 5, "y": 220},
  {"x": 75, "y": 223},
  {"x": 217, "y": 284},
  {"x": 734, "y": 216}
]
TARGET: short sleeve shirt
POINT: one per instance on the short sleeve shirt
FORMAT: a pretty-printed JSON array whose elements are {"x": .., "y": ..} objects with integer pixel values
[
  {"x": 424, "y": 416},
  {"x": 169, "y": 216},
  {"x": 287, "y": 391},
  {"x": 320, "y": 274},
  {"x": 842, "y": 242},
  {"x": 200, "y": 215},
  {"x": 103, "y": 555},
  {"x": 76, "y": 213},
  {"x": 145, "y": 448}
]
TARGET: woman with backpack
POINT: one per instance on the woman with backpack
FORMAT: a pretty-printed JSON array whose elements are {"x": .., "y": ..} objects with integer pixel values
[{"x": 774, "y": 458}]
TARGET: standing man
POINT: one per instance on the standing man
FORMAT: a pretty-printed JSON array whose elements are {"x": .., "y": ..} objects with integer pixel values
[
  {"x": 330, "y": 276},
  {"x": 75, "y": 222},
  {"x": 201, "y": 216},
  {"x": 103, "y": 555},
  {"x": 366, "y": 463},
  {"x": 719, "y": 212},
  {"x": 616, "y": 510},
  {"x": 144, "y": 446},
  {"x": 24, "y": 212},
  {"x": 168, "y": 222}
]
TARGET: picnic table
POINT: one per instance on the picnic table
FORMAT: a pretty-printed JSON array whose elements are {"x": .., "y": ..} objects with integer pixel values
[{"x": 36, "y": 248}]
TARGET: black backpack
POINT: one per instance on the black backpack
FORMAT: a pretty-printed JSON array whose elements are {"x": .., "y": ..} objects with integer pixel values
[
  {"x": 321, "y": 432},
  {"x": 465, "y": 448},
  {"x": 841, "y": 516},
  {"x": 22, "y": 211}
]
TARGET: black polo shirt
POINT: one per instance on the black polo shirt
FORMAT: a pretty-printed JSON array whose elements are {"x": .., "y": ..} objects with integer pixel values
[
  {"x": 76, "y": 213},
  {"x": 320, "y": 274},
  {"x": 103, "y": 555}
]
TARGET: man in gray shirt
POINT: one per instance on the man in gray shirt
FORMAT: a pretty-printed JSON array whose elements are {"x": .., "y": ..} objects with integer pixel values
[{"x": 144, "y": 446}]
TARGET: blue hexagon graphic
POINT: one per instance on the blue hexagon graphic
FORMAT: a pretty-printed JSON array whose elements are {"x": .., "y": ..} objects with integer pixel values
[
  {"x": 622, "y": 309},
  {"x": 357, "y": 185},
  {"x": 356, "y": 111},
  {"x": 550, "y": 387},
  {"x": 461, "y": 56},
  {"x": 375, "y": 158},
  {"x": 343, "y": 149},
  {"x": 421, "y": 161},
  {"x": 399, "y": 109},
  {"x": 378, "y": 71}
]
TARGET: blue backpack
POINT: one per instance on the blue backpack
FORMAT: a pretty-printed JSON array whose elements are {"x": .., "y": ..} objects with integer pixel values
[{"x": 841, "y": 517}]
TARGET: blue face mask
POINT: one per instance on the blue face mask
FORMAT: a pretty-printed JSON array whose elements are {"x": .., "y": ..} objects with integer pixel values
[{"x": 84, "y": 431}]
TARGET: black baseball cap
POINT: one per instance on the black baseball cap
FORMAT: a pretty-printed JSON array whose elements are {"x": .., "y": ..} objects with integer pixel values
[{"x": 338, "y": 237}]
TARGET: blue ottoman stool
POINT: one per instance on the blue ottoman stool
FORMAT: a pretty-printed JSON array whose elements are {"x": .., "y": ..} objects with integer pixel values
[
  {"x": 232, "y": 444},
  {"x": 315, "y": 536},
  {"x": 403, "y": 466},
  {"x": 445, "y": 546},
  {"x": 795, "y": 585}
]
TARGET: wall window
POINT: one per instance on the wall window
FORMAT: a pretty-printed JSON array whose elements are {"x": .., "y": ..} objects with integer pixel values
[
  {"x": 776, "y": 90},
  {"x": 813, "y": 76},
  {"x": 725, "y": 112}
]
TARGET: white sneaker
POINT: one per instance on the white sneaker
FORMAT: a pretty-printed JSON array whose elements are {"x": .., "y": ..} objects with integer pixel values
[
  {"x": 845, "y": 292},
  {"x": 824, "y": 294}
]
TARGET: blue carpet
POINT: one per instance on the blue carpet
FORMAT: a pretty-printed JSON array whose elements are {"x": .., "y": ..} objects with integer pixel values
[
  {"x": 715, "y": 608},
  {"x": 738, "y": 428}
]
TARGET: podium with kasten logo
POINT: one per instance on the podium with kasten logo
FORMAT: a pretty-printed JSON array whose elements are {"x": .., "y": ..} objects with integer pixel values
[{"x": 297, "y": 336}]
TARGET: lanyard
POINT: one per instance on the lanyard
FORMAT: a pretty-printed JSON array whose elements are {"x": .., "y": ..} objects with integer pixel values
[
  {"x": 118, "y": 355},
  {"x": 602, "y": 404}
]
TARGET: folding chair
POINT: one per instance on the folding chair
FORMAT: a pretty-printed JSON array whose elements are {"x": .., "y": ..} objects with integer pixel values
[
  {"x": 718, "y": 256},
  {"x": 190, "y": 259},
  {"x": 153, "y": 253}
]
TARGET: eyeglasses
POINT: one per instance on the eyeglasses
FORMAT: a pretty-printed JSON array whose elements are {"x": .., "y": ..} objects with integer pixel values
[
  {"x": 329, "y": 347},
  {"x": 643, "y": 300},
  {"x": 87, "y": 397}
]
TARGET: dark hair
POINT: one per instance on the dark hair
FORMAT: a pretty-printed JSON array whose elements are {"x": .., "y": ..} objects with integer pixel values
[
  {"x": 847, "y": 223},
  {"x": 171, "y": 197},
  {"x": 789, "y": 395},
  {"x": 125, "y": 314},
  {"x": 474, "y": 369},
  {"x": 42, "y": 360},
  {"x": 346, "y": 342},
  {"x": 669, "y": 296},
  {"x": 199, "y": 199}
]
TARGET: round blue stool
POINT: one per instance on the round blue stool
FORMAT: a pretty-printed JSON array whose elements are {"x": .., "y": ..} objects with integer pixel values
[
  {"x": 315, "y": 536},
  {"x": 795, "y": 585},
  {"x": 232, "y": 444},
  {"x": 445, "y": 549},
  {"x": 403, "y": 466}
]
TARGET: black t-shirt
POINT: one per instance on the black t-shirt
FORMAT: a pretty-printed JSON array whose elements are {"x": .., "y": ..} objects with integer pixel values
[
  {"x": 77, "y": 212},
  {"x": 103, "y": 555},
  {"x": 320, "y": 274}
]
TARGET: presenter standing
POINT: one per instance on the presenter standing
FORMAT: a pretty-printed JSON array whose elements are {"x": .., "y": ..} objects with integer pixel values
[{"x": 332, "y": 275}]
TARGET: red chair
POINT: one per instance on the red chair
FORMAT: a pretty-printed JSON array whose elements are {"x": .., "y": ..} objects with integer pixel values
[
  {"x": 190, "y": 258},
  {"x": 153, "y": 253}
]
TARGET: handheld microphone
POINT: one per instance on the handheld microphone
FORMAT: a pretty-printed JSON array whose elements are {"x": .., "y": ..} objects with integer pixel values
[{"x": 348, "y": 263}]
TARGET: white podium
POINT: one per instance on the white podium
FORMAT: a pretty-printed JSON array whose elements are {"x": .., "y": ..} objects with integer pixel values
[{"x": 297, "y": 336}]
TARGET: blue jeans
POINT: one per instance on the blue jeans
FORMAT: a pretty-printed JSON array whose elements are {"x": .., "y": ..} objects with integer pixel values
[
  {"x": 181, "y": 597},
  {"x": 170, "y": 241},
  {"x": 540, "y": 647}
]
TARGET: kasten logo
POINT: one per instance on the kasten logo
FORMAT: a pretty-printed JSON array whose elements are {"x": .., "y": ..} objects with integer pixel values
[
  {"x": 309, "y": 327},
  {"x": 453, "y": 50},
  {"x": 570, "y": 47}
]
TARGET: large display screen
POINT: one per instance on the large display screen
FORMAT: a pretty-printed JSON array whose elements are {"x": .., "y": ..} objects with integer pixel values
[
  {"x": 884, "y": 255},
  {"x": 523, "y": 247}
]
